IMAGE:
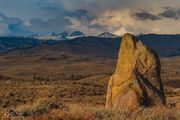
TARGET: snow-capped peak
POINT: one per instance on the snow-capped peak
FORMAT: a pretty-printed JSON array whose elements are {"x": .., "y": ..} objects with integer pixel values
[{"x": 107, "y": 35}]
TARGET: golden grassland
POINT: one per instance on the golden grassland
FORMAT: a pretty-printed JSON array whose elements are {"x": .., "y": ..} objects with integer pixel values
[{"x": 73, "y": 88}]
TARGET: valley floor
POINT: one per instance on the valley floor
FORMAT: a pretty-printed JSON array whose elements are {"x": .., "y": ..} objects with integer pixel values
[{"x": 71, "y": 87}]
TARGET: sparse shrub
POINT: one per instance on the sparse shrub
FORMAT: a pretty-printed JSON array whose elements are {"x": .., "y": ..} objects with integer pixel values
[
  {"x": 37, "y": 108},
  {"x": 41, "y": 78},
  {"x": 75, "y": 76},
  {"x": 3, "y": 77},
  {"x": 88, "y": 112},
  {"x": 103, "y": 115},
  {"x": 109, "y": 73},
  {"x": 78, "y": 112},
  {"x": 156, "y": 114}
]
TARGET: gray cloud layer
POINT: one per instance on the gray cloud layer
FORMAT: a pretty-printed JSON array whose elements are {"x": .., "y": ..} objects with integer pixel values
[
  {"x": 172, "y": 13},
  {"x": 144, "y": 15},
  {"x": 20, "y": 17},
  {"x": 169, "y": 12}
]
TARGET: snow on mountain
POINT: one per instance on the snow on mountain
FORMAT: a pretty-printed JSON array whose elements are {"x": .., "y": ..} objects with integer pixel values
[
  {"x": 77, "y": 33},
  {"x": 60, "y": 36},
  {"x": 49, "y": 38},
  {"x": 107, "y": 35}
]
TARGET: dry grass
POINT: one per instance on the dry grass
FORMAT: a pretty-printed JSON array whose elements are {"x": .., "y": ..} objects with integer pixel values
[
  {"x": 77, "y": 87},
  {"x": 39, "y": 107},
  {"x": 87, "y": 112}
]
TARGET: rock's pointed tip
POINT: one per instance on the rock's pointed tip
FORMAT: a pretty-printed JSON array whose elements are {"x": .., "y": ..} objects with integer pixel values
[
  {"x": 129, "y": 38},
  {"x": 128, "y": 35}
]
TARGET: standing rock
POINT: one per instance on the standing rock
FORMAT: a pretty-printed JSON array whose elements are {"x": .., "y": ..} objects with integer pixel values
[{"x": 136, "y": 81}]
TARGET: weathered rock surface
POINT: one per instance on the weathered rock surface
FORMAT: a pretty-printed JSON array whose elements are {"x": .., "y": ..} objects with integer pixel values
[{"x": 136, "y": 81}]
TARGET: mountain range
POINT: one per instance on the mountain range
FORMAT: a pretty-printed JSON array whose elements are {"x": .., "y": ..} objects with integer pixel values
[
  {"x": 11, "y": 43},
  {"x": 165, "y": 45},
  {"x": 60, "y": 36},
  {"x": 69, "y": 36}
]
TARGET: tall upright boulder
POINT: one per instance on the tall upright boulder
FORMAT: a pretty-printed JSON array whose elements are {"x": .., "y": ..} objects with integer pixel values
[{"x": 136, "y": 81}]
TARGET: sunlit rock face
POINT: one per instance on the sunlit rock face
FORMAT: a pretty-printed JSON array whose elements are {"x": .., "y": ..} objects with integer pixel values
[{"x": 136, "y": 81}]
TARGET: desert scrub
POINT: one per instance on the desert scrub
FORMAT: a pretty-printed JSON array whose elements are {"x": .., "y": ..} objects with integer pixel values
[
  {"x": 72, "y": 112},
  {"x": 154, "y": 113},
  {"x": 41, "y": 78},
  {"x": 75, "y": 76},
  {"x": 39, "y": 107},
  {"x": 103, "y": 114},
  {"x": 89, "y": 112},
  {"x": 78, "y": 112}
]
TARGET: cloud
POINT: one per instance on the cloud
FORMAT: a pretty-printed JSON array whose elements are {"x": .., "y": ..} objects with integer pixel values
[
  {"x": 107, "y": 21},
  {"x": 121, "y": 21},
  {"x": 11, "y": 25},
  {"x": 51, "y": 8},
  {"x": 81, "y": 19},
  {"x": 171, "y": 13},
  {"x": 99, "y": 6},
  {"x": 41, "y": 26},
  {"x": 4, "y": 29},
  {"x": 89, "y": 16},
  {"x": 82, "y": 15},
  {"x": 168, "y": 12},
  {"x": 144, "y": 15},
  {"x": 16, "y": 26}
]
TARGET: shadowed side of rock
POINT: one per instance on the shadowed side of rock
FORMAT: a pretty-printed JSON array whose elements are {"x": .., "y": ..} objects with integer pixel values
[{"x": 136, "y": 81}]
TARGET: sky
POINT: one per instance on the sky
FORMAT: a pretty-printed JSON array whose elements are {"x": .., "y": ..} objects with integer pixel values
[{"x": 29, "y": 17}]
